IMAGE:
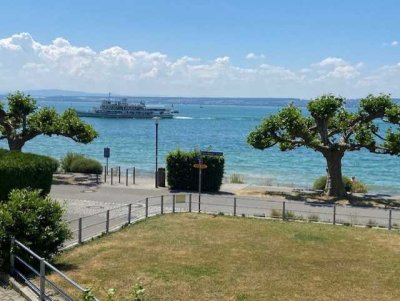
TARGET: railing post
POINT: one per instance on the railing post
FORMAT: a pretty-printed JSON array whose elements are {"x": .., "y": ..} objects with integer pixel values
[
  {"x": 390, "y": 220},
  {"x": 134, "y": 175},
  {"x": 105, "y": 174},
  {"x": 173, "y": 203},
  {"x": 199, "y": 209},
  {"x": 334, "y": 214},
  {"x": 42, "y": 280},
  {"x": 284, "y": 211},
  {"x": 112, "y": 175},
  {"x": 12, "y": 256},
  {"x": 119, "y": 174},
  {"x": 126, "y": 176},
  {"x": 108, "y": 220},
  {"x": 162, "y": 204},
  {"x": 129, "y": 213},
  {"x": 190, "y": 202},
  {"x": 234, "y": 206},
  {"x": 80, "y": 231},
  {"x": 97, "y": 178},
  {"x": 147, "y": 208}
]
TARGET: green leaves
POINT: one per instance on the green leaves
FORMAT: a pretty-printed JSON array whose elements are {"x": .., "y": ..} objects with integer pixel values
[
  {"x": 325, "y": 107},
  {"x": 392, "y": 142},
  {"x": 24, "y": 122},
  {"x": 375, "y": 105},
  {"x": 20, "y": 104},
  {"x": 331, "y": 127}
]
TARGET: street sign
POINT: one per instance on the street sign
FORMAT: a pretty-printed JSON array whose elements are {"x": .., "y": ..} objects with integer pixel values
[
  {"x": 106, "y": 152},
  {"x": 200, "y": 166},
  {"x": 207, "y": 153}
]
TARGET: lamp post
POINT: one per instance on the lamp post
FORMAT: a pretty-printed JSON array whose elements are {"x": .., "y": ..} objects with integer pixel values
[{"x": 156, "y": 173}]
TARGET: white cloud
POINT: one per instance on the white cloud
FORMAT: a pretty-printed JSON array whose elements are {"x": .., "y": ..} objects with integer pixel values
[
  {"x": 394, "y": 43},
  {"x": 28, "y": 64},
  {"x": 253, "y": 56},
  {"x": 333, "y": 67}
]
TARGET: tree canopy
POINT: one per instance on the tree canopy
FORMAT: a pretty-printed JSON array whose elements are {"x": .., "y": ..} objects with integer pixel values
[
  {"x": 332, "y": 130},
  {"x": 23, "y": 121}
]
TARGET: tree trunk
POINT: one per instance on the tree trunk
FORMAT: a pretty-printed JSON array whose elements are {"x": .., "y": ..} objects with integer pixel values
[
  {"x": 334, "y": 184},
  {"x": 15, "y": 144}
]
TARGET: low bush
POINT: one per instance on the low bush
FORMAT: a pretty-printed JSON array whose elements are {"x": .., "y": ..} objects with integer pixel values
[
  {"x": 22, "y": 170},
  {"x": 182, "y": 175},
  {"x": 86, "y": 165},
  {"x": 349, "y": 185},
  {"x": 236, "y": 179},
  {"x": 276, "y": 213},
  {"x": 34, "y": 220},
  {"x": 66, "y": 162},
  {"x": 73, "y": 162}
]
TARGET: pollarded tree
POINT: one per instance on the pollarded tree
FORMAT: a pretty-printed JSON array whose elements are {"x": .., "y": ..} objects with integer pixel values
[
  {"x": 332, "y": 130},
  {"x": 23, "y": 121}
]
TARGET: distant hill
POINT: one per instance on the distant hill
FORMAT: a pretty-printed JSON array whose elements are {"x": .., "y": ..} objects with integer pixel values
[
  {"x": 66, "y": 95},
  {"x": 57, "y": 92}
]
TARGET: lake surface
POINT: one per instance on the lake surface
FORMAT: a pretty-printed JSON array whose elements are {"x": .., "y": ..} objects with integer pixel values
[{"x": 219, "y": 128}]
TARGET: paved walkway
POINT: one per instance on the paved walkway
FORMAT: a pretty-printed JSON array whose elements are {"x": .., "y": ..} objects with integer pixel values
[{"x": 7, "y": 294}]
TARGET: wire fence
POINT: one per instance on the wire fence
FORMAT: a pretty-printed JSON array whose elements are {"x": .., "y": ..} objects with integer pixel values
[{"x": 88, "y": 227}]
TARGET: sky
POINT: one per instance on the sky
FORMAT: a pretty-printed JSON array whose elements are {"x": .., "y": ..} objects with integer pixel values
[{"x": 297, "y": 48}]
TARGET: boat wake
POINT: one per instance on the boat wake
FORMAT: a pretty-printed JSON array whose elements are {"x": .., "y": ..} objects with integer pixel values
[{"x": 182, "y": 117}]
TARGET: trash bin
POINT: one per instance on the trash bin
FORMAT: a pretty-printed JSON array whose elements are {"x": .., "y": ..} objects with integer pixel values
[{"x": 161, "y": 177}]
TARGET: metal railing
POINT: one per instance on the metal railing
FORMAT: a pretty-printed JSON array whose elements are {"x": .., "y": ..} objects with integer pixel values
[
  {"x": 33, "y": 273},
  {"x": 88, "y": 227},
  {"x": 115, "y": 174}
]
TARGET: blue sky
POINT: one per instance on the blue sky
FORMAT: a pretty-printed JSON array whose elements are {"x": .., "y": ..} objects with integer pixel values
[{"x": 292, "y": 35}]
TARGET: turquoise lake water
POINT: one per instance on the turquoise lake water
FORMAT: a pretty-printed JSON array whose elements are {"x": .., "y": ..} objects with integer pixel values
[{"x": 220, "y": 128}]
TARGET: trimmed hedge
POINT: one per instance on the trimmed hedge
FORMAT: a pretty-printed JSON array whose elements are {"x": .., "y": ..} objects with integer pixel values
[
  {"x": 182, "y": 175},
  {"x": 73, "y": 162},
  {"x": 22, "y": 170}
]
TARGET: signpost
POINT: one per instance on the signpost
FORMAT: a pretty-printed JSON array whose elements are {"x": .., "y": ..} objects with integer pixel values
[
  {"x": 200, "y": 166},
  {"x": 107, "y": 155}
]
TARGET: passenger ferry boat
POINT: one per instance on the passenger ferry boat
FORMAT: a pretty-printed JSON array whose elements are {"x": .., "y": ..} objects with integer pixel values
[{"x": 123, "y": 109}]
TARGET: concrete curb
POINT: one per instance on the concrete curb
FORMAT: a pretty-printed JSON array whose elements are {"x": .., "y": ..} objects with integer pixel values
[{"x": 22, "y": 290}]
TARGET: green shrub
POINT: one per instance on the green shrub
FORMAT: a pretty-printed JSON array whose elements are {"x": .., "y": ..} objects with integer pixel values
[
  {"x": 66, "y": 162},
  {"x": 86, "y": 165},
  {"x": 276, "y": 213},
  {"x": 358, "y": 187},
  {"x": 349, "y": 186},
  {"x": 22, "y": 170},
  {"x": 73, "y": 162},
  {"x": 313, "y": 218},
  {"x": 35, "y": 221},
  {"x": 182, "y": 175},
  {"x": 236, "y": 179}
]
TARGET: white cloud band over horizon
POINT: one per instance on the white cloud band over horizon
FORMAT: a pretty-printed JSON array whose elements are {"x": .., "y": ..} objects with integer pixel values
[{"x": 27, "y": 64}]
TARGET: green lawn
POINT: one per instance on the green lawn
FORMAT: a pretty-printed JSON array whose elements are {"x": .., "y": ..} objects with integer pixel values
[{"x": 203, "y": 257}]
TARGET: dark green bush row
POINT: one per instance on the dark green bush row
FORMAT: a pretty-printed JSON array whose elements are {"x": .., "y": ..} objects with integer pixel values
[
  {"x": 73, "y": 162},
  {"x": 182, "y": 174},
  {"x": 349, "y": 186},
  {"x": 34, "y": 220},
  {"x": 21, "y": 170}
]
